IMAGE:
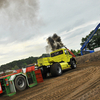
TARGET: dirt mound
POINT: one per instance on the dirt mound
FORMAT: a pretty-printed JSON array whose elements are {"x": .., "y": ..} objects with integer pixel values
[{"x": 88, "y": 58}]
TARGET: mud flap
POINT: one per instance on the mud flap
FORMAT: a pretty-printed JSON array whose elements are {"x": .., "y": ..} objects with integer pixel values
[{"x": 38, "y": 75}]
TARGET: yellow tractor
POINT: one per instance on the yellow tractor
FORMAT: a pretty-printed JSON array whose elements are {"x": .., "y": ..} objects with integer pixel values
[{"x": 58, "y": 61}]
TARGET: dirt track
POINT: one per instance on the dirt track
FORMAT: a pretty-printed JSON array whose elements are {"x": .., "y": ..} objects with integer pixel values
[{"x": 82, "y": 83}]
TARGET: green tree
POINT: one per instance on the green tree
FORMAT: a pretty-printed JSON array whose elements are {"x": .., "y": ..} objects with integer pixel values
[
  {"x": 12, "y": 68},
  {"x": 16, "y": 67},
  {"x": 94, "y": 42},
  {"x": 76, "y": 53},
  {"x": 24, "y": 64}
]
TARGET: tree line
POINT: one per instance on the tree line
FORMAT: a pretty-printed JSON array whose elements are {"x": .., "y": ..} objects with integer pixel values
[{"x": 18, "y": 64}]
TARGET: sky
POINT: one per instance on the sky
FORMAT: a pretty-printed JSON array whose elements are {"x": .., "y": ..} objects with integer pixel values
[{"x": 26, "y": 24}]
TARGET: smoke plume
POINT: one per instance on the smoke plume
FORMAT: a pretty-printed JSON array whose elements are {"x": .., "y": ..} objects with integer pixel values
[
  {"x": 54, "y": 43},
  {"x": 4, "y": 3},
  {"x": 19, "y": 19}
]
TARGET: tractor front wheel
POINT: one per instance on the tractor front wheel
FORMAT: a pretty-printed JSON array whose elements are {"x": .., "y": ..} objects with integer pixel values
[{"x": 20, "y": 83}]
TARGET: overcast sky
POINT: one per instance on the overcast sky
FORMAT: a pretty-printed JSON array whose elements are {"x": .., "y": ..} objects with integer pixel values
[{"x": 26, "y": 24}]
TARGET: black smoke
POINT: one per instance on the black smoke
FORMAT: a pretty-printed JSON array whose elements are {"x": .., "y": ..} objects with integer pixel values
[{"x": 54, "y": 42}]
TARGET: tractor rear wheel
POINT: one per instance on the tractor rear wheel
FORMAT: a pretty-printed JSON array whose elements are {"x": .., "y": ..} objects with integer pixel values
[
  {"x": 20, "y": 83},
  {"x": 56, "y": 69}
]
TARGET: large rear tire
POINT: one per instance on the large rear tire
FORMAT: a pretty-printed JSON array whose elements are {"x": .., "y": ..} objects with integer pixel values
[
  {"x": 20, "y": 83},
  {"x": 56, "y": 69}
]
